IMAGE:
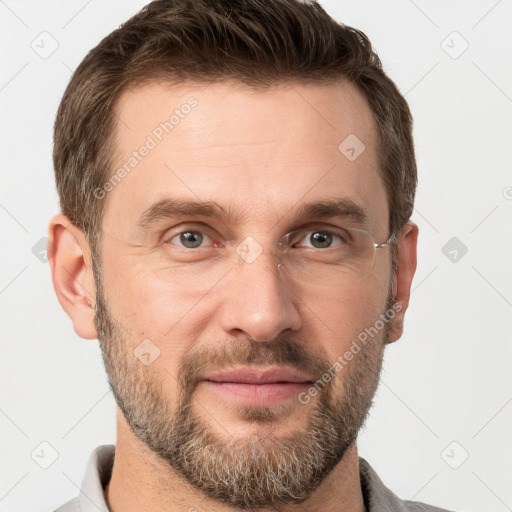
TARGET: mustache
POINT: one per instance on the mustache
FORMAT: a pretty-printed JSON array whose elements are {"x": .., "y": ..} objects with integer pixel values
[{"x": 281, "y": 351}]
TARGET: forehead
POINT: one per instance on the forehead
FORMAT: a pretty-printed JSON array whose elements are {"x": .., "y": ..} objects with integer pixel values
[{"x": 262, "y": 151}]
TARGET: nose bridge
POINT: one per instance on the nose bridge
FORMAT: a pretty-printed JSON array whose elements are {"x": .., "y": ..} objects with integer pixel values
[{"x": 260, "y": 303}]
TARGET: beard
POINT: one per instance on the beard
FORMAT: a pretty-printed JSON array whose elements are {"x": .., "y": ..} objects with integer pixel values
[{"x": 256, "y": 471}]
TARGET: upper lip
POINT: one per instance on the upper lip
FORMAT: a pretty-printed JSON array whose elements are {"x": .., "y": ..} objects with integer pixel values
[{"x": 251, "y": 375}]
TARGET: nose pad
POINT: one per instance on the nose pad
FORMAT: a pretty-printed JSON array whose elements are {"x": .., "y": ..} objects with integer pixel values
[{"x": 284, "y": 272}]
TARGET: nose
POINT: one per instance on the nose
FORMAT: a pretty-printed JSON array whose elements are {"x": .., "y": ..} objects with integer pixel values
[{"x": 258, "y": 302}]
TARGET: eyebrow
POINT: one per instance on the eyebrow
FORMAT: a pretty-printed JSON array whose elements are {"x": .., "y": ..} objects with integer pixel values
[{"x": 169, "y": 208}]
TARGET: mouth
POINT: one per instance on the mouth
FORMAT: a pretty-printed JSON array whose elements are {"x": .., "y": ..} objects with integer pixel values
[
  {"x": 258, "y": 386},
  {"x": 266, "y": 375}
]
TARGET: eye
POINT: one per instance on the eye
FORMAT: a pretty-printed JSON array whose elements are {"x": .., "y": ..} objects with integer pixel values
[
  {"x": 190, "y": 239},
  {"x": 319, "y": 239}
]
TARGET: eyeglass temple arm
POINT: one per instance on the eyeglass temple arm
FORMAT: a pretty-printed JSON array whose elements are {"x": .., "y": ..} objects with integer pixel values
[{"x": 390, "y": 240}]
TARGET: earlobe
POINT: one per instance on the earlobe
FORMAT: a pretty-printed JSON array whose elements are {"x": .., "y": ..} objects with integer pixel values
[
  {"x": 407, "y": 261},
  {"x": 73, "y": 280}
]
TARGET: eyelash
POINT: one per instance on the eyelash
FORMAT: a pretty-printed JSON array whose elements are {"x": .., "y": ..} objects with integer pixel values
[
  {"x": 168, "y": 239},
  {"x": 190, "y": 231}
]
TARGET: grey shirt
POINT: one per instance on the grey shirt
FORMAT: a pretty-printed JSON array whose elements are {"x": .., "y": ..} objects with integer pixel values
[{"x": 377, "y": 497}]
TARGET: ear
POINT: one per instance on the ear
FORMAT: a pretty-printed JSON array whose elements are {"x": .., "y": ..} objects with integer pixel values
[
  {"x": 71, "y": 266},
  {"x": 406, "y": 254}
]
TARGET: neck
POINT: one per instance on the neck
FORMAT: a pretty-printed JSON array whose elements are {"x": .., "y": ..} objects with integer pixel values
[{"x": 141, "y": 481}]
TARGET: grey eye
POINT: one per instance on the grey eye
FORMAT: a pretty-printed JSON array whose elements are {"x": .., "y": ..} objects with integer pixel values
[
  {"x": 320, "y": 239},
  {"x": 189, "y": 239}
]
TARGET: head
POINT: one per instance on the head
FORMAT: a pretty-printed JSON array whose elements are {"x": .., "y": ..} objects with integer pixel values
[{"x": 188, "y": 144}]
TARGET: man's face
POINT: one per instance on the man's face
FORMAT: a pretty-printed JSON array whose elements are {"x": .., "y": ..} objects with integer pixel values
[{"x": 185, "y": 294}]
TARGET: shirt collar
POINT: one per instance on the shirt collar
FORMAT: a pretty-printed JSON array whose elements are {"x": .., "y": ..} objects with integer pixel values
[
  {"x": 376, "y": 495},
  {"x": 97, "y": 476}
]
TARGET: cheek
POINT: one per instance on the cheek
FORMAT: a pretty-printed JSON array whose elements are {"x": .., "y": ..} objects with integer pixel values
[
  {"x": 145, "y": 307},
  {"x": 146, "y": 298},
  {"x": 337, "y": 320}
]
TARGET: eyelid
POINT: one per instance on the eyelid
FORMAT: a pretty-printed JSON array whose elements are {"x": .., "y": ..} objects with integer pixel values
[
  {"x": 335, "y": 230},
  {"x": 326, "y": 226},
  {"x": 185, "y": 227},
  {"x": 214, "y": 235},
  {"x": 342, "y": 238}
]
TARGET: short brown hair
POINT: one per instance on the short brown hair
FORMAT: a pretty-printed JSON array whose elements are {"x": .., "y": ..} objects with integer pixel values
[{"x": 257, "y": 42}]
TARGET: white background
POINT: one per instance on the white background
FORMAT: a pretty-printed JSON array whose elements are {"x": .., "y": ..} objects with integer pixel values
[{"x": 448, "y": 378}]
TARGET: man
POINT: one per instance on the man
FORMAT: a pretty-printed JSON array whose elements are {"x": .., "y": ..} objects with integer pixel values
[{"x": 236, "y": 183}]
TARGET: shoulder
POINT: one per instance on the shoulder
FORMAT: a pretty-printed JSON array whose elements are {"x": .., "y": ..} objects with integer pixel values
[{"x": 416, "y": 506}]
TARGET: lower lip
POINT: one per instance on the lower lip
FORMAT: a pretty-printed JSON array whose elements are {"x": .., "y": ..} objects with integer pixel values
[{"x": 258, "y": 394}]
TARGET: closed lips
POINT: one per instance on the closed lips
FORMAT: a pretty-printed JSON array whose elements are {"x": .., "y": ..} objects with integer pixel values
[{"x": 259, "y": 376}]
